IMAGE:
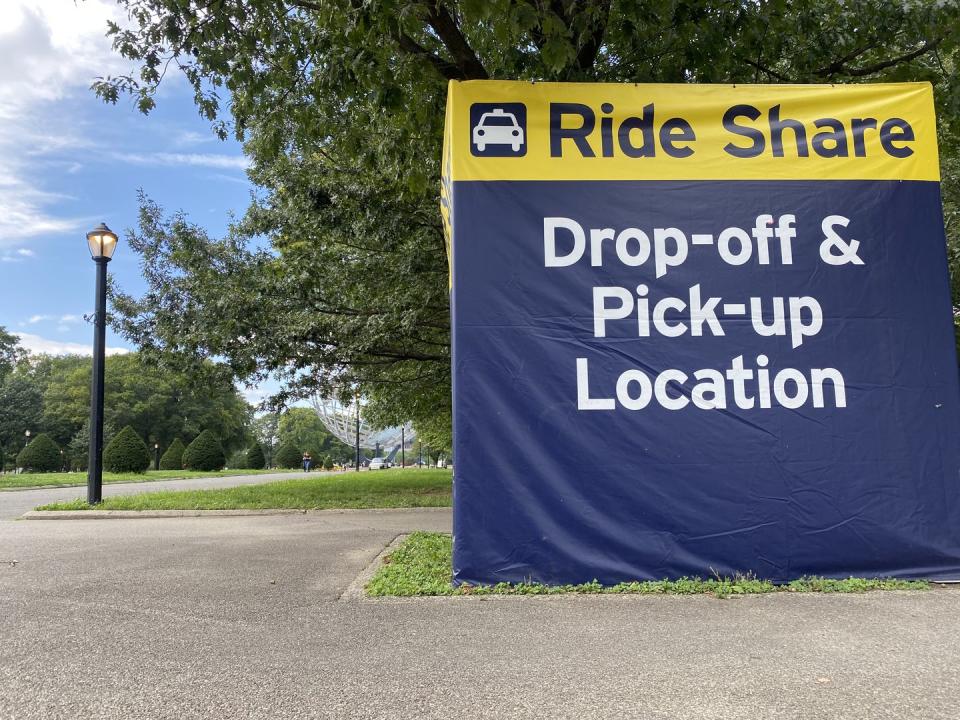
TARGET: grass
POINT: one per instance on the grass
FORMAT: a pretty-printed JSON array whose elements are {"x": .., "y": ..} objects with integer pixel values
[
  {"x": 421, "y": 565},
  {"x": 27, "y": 480},
  {"x": 372, "y": 489}
]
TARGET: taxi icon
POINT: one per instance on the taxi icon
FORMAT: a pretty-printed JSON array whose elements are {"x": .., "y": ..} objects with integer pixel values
[{"x": 498, "y": 127}]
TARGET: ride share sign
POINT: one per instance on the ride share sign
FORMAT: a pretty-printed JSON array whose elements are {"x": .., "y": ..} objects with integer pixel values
[{"x": 699, "y": 329}]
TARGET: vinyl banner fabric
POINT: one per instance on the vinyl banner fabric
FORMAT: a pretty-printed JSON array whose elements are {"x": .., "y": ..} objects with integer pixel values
[{"x": 697, "y": 330}]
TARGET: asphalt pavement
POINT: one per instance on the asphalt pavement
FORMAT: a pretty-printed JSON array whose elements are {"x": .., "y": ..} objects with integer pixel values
[
  {"x": 15, "y": 502},
  {"x": 243, "y": 617}
]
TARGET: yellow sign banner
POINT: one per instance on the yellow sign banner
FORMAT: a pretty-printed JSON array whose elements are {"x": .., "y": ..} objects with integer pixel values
[{"x": 511, "y": 130}]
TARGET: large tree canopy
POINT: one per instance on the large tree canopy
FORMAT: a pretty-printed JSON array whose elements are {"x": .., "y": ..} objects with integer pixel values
[{"x": 340, "y": 103}]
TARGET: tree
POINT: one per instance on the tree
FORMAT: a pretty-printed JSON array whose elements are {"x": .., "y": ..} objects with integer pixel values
[
  {"x": 255, "y": 459},
  {"x": 356, "y": 192},
  {"x": 41, "y": 455},
  {"x": 11, "y": 354},
  {"x": 288, "y": 456},
  {"x": 21, "y": 409},
  {"x": 126, "y": 453},
  {"x": 266, "y": 429},
  {"x": 327, "y": 462},
  {"x": 204, "y": 453},
  {"x": 237, "y": 460},
  {"x": 172, "y": 459},
  {"x": 155, "y": 401},
  {"x": 79, "y": 446}
]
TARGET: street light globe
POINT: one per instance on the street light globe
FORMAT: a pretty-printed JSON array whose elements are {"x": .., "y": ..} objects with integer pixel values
[{"x": 102, "y": 242}]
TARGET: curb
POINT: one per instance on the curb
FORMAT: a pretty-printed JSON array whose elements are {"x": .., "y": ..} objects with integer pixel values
[
  {"x": 152, "y": 514},
  {"x": 355, "y": 590},
  {"x": 121, "y": 514}
]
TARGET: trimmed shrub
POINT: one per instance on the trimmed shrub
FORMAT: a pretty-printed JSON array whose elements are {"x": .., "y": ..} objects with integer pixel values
[
  {"x": 41, "y": 455},
  {"x": 288, "y": 456},
  {"x": 255, "y": 458},
  {"x": 327, "y": 462},
  {"x": 172, "y": 459},
  {"x": 126, "y": 453},
  {"x": 204, "y": 453}
]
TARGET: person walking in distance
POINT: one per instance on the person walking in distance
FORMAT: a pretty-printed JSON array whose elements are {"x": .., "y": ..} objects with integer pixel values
[{"x": 307, "y": 460}]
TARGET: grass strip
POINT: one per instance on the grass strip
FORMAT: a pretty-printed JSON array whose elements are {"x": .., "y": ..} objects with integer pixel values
[
  {"x": 28, "y": 480},
  {"x": 372, "y": 489},
  {"x": 421, "y": 566}
]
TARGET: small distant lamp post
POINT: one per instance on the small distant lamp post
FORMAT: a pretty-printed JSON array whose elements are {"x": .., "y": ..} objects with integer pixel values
[
  {"x": 403, "y": 459},
  {"x": 27, "y": 436},
  {"x": 356, "y": 399},
  {"x": 62, "y": 468},
  {"x": 156, "y": 456},
  {"x": 102, "y": 241}
]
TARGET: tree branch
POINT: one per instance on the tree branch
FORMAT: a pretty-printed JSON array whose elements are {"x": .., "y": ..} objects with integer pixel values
[
  {"x": 410, "y": 46},
  {"x": 928, "y": 46},
  {"x": 449, "y": 33},
  {"x": 762, "y": 68},
  {"x": 587, "y": 55}
]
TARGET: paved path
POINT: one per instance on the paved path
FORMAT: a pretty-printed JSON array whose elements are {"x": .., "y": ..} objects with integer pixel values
[
  {"x": 241, "y": 618},
  {"x": 13, "y": 503}
]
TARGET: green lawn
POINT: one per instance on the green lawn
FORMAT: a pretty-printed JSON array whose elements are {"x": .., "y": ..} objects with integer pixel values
[
  {"x": 371, "y": 489},
  {"x": 25, "y": 480},
  {"x": 422, "y": 566}
]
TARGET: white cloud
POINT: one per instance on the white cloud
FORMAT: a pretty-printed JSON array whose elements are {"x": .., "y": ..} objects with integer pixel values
[
  {"x": 37, "y": 344},
  {"x": 51, "y": 49},
  {"x": 185, "y": 138},
  {"x": 12, "y": 256},
  {"x": 34, "y": 319},
  {"x": 236, "y": 162}
]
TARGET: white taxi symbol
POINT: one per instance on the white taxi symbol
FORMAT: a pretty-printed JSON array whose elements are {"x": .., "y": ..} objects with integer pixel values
[{"x": 498, "y": 128}]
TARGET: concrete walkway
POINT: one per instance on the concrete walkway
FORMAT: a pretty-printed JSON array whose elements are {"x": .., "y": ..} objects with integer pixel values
[
  {"x": 243, "y": 618},
  {"x": 13, "y": 503}
]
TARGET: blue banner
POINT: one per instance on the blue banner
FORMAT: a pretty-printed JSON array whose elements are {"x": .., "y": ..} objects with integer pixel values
[{"x": 683, "y": 377}]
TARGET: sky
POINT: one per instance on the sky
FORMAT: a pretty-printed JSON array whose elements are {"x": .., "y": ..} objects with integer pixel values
[{"x": 68, "y": 161}]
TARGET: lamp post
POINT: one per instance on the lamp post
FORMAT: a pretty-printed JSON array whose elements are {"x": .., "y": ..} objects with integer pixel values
[
  {"x": 156, "y": 456},
  {"x": 27, "y": 440},
  {"x": 102, "y": 241},
  {"x": 356, "y": 400},
  {"x": 403, "y": 460}
]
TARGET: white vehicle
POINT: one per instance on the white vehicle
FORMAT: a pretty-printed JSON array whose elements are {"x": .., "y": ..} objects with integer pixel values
[
  {"x": 378, "y": 463},
  {"x": 498, "y": 127}
]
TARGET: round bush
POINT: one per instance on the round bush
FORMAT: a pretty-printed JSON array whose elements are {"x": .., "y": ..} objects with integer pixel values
[
  {"x": 204, "y": 453},
  {"x": 255, "y": 458},
  {"x": 41, "y": 455},
  {"x": 288, "y": 456},
  {"x": 327, "y": 462},
  {"x": 172, "y": 459},
  {"x": 126, "y": 453}
]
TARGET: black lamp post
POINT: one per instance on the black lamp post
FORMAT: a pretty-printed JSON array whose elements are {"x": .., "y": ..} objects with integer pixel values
[
  {"x": 356, "y": 399},
  {"x": 27, "y": 438},
  {"x": 156, "y": 456},
  {"x": 403, "y": 460},
  {"x": 102, "y": 242}
]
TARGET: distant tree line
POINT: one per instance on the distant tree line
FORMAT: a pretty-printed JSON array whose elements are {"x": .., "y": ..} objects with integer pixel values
[{"x": 147, "y": 405}]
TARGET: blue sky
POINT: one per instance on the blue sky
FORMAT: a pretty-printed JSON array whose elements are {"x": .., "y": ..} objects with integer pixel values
[{"x": 68, "y": 162}]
